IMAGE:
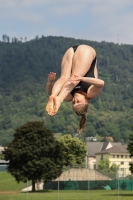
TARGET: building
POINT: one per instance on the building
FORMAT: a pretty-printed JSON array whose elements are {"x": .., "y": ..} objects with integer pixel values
[
  {"x": 96, "y": 147},
  {"x": 1, "y": 149},
  {"x": 3, "y": 163},
  {"x": 118, "y": 155}
]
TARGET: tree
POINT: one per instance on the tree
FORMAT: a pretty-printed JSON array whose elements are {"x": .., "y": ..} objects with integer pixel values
[
  {"x": 75, "y": 150},
  {"x": 104, "y": 166},
  {"x": 34, "y": 154},
  {"x": 114, "y": 168},
  {"x": 130, "y": 149}
]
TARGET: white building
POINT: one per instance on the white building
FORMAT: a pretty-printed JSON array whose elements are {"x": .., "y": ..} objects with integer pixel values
[{"x": 118, "y": 155}]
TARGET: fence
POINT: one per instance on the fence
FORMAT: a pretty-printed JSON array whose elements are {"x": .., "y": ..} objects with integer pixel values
[
  {"x": 92, "y": 185},
  {"x": 80, "y": 178}
]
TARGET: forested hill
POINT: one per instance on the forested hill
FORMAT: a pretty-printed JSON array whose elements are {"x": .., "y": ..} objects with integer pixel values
[{"x": 23, "y": 73}]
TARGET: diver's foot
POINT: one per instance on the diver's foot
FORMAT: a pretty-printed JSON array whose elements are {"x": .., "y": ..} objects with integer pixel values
[
  {"x": 57, "y": 104},
  {"x": 50, "y": 105}
]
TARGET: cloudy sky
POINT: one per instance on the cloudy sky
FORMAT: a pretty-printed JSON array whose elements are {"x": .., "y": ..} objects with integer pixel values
[{"x": 97, "y": 20}]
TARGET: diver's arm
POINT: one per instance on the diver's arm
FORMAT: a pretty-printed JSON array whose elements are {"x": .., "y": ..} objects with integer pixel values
[
  {"x": 49, "y": 87},
  {"x": 92, "y": 81},
  {"x": 65, "y": 93},
  {"x": 96, "y": 85},
  {"x": 50, "y": 82}
]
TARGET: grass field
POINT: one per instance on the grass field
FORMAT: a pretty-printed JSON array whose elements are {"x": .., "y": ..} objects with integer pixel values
[
  {"x": 7, "y": 182},
  {"x": 10, "y": 190},
  {"x": 69, "y": 195}
]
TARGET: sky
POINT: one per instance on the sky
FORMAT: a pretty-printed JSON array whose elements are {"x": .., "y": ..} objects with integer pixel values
[{"x": 95, "y": 20}]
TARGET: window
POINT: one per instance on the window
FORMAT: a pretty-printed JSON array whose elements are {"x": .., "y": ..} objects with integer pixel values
[
  {"x": 126, "y": 156},
  {"x": 113, "y": 156},
  {"x": 101, "y": 157},
  {"x": 121, "y": 156},
  {"x": 122, "y": 163},
  {"x": 122, "y": 169},
  {"x": 117, "y": 156}
]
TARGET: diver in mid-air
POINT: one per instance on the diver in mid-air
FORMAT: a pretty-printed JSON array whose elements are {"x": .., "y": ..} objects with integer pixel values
[{"x": 78, "y": 82}]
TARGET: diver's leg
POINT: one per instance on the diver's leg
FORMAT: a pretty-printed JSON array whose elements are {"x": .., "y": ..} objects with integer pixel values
[
  {"x": 66, "y": 67},
  {"x": 82, "y": 60}
]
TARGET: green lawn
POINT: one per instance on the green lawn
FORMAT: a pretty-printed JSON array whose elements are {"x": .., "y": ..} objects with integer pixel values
[
  {"x": 70, "y": 195},
  {"x": 12, "y": 191},
  {"x": 7, "y": 182}
]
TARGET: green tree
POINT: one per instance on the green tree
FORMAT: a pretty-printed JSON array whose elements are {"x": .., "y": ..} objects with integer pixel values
[
  {"x": 130, "y": 149},
  {"x": 34, "y": 154},
  {"x": 114, "y": 167},
  {"x": 104, "y": 165},
  {"x": 75, "y": 150}
]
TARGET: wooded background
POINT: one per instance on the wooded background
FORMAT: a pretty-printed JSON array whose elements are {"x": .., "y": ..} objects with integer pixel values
[{"x": 24, "y": 66}]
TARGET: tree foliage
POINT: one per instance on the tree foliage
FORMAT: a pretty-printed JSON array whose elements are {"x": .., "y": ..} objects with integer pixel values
[
  {"x": 34, "y": 154},
  {"x": 130, "y": 149},
  {"x": 104, "y": 165},
  {"x": 75, "y": 150}
]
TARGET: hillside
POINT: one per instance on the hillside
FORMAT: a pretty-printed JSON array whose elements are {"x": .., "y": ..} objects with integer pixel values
[{"x": 23, "y": 73}]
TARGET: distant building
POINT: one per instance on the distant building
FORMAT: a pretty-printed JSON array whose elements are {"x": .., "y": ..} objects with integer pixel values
[
  {"x": 3, "y": 165},
  {"x": 96, "y": 147},
  {"x": 107, "y": 139},
  {"x": 1, "y": 149},
  {"x": 118, "y": 155},
  {"x": 91, "y": 139}
]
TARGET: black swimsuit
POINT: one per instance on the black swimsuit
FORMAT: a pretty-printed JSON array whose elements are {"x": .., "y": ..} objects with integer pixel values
[{"x": 82, "y": 86}]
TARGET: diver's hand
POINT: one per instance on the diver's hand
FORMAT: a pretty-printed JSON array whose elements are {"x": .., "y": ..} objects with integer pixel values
[
  {"x": 51, "y": 76},
  {"x": 74, "y": 78}
]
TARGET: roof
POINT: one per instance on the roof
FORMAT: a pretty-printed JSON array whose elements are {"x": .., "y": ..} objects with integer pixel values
[
  {"x": 115, "y": 149},
  {"x": 105, "y": 144},
  {"x": 3, "y": 161},
  {"x": 96, "y": 147}
]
